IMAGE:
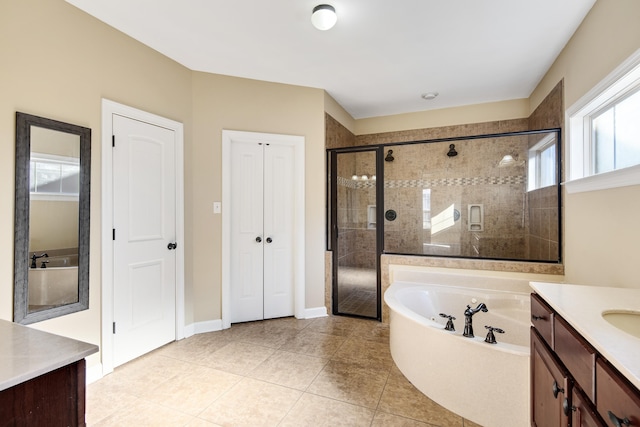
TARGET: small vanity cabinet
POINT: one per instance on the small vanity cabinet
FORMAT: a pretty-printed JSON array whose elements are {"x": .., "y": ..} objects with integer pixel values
[
  {"x": 42, "y": 377},
  {"x": 572, "y": 384}
]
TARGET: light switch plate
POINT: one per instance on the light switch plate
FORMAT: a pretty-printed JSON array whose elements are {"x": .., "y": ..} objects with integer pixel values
[{"x": 217, "y": 207}]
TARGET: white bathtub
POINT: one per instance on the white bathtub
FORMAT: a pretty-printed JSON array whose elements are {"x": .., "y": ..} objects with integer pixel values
[{"x": 485, "y": 383}]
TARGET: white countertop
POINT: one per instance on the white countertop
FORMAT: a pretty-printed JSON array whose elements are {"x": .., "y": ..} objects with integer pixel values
[
  {"x": 582, "y": 307},
  {"x": 26, "y": 353}
]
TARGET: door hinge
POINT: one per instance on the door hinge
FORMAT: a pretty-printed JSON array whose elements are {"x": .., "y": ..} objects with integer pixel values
[
  {"x": 114, "y": 327},
  {"x": 114, "y": 234},
  {"x": 113, "y": 140}
]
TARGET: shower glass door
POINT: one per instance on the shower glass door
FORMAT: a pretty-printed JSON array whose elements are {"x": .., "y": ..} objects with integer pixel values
[{"x": 354, "y": 177}]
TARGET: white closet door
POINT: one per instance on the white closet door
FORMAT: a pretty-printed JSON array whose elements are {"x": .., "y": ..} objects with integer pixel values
[
  {"x": 247, "y": 238},
  {"x": 278, "y": 227}
]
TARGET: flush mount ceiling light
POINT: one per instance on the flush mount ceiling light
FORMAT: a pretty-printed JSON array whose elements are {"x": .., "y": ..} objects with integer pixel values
[
  {"x": 324, "y": 17},
  {"x": 430, "y": 95}
]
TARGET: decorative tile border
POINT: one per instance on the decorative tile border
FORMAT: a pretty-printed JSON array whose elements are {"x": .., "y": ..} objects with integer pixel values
[{"x": 429, "y": 183}]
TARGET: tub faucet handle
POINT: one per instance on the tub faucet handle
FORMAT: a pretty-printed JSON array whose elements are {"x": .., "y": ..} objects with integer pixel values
[
  {"x": 449, "y": 326},
  {"x": 491, "y": 338}
]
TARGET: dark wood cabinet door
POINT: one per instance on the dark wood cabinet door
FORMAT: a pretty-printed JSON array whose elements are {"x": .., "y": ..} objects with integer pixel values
[
  {"x": 550, "y": 386},
  {"x": 583, "y": 414},
  {"x": 615, "y": 396}
]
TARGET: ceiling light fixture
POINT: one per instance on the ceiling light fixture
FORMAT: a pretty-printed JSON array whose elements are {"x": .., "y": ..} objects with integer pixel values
[
  {"x": 324, "y": 17},
  {"x": 430, "y": 95}
]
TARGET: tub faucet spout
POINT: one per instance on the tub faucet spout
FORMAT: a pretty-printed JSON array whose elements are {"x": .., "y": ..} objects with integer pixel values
[{"x": 468, "y": 318}]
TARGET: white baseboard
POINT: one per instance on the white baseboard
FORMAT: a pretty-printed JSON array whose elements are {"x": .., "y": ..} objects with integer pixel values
[
  {"x": 312, "y": 313},
  {"x": 204, "y": 327},
  {"x": 94, "y": 373}
]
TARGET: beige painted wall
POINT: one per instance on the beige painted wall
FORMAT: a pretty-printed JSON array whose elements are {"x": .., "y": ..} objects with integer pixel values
[
  {"x": 479, "y": 113},
  {"x": 601, "y": 238},
  {"x": 58, "y": 62},
  {"x": 222, "y": 102}
]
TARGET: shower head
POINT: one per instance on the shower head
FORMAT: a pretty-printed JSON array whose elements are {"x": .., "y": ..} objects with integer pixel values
[
  {"x": 389, "y": 157},
  {"x": 452, "y": 151}
]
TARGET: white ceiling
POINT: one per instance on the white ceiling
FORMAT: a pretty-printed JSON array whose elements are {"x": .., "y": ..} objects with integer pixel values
[{"x": 378, "y": 59}]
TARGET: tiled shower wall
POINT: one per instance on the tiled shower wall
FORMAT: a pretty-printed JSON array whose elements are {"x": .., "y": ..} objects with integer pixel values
[{"x": 471, "y": 177}]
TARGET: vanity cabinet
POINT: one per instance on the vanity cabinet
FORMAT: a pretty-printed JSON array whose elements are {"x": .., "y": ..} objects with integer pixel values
[
  {"x": 549, "y": 383},
  {"x": 572, "y": 384},
  {"x": 42, "y": 377}
]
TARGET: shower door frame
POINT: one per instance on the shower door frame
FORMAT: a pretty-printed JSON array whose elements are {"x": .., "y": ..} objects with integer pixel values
[{"x": 332, "y": 187}]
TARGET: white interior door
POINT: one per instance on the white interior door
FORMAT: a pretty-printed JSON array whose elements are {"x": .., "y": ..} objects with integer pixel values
[
  {"x": 278, "y": 225},
  {"x": 144, "y": 217},
  {"x": 262, "y": 224},
  {"x": 247, "y": 246}
]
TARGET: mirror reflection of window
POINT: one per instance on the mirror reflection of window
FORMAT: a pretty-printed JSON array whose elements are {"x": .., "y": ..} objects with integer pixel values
[{"x": 54, "y": 175}]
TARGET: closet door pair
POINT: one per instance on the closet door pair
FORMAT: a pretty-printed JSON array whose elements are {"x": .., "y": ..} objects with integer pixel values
[{"x": 262, "y": 221}]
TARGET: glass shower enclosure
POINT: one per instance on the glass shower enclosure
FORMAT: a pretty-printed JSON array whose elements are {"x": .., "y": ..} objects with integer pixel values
[{"x": 354, "y": 216}]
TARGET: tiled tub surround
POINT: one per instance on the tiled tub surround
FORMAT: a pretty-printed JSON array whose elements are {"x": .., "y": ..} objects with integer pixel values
[{"x": 332, "y": 371}]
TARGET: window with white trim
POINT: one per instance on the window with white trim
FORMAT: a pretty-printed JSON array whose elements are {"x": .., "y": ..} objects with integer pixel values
[
  {"x": 543, "y": 163},
  {"x": 604, "y": 132}
]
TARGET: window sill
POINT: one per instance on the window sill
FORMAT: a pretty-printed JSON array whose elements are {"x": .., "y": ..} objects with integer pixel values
[{"x": 614, "y": 179}]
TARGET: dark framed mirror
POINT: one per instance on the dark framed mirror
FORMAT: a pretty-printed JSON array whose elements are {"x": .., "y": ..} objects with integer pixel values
[{"x": 51, "y": 247}]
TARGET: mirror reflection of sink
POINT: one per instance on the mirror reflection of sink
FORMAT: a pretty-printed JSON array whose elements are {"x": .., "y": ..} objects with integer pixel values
[{"x": 627, "y": 321}]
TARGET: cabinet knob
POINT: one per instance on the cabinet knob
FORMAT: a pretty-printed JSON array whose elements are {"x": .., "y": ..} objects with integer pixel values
[
  {"x": 556, "y": 389},
  {"x": 566, "y": 408},
  {"x": 534, "y": 317},
  {"x": 618, "y": 422}
]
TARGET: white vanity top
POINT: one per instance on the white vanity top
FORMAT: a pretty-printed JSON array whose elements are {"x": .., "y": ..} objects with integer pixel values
[
  {"x": 582, "y": 307},
  {"x": 26, "y": 353}
]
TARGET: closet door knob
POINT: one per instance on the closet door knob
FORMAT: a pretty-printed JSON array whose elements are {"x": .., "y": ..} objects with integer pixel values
[
  {"x": 269, "y": 240},
  {"x": 258, "y": 239}
]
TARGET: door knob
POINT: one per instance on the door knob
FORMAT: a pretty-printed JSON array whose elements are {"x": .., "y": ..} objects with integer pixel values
[
  {"x": 269, "y": 240},
  {"x": 172, "y": 246},
  {"x": 258, "y": 239}
]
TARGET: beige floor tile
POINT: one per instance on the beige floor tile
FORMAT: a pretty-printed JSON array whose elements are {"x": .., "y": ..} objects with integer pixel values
[
  {"x": 336, "y": 325},
  {"x": 290, "y": 322},
  {"x": 289, "y": 369},
  {"x": 271, "y": 334},
  {"x": 194, "y": 348},
  {"x": 145, "y": 413},
  {"x": 313, "y": 344},
  {"x": 104, "y": 398},
  {"x": 191, "y": 393},
  {"x": 382, "y": 419},
  {"x": 198, "y": 422},
  {"x": 400, "y": 397},
  {"x": 145, "y": 373},
  {"x": 359, "y": 383},
  {"x": 252, "y": 403},
  {"x": 237, "y": 357},
  {"x": 318, "y": 411},
  {"x": 372, "y": 331},
  {"x": 366, "y": 351}
]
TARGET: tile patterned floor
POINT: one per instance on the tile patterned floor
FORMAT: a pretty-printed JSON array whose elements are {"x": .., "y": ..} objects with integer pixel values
[{"x": 333, "y": 371}]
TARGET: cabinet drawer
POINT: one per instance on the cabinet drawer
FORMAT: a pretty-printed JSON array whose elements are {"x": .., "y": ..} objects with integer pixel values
[
  {"x": 615, "y": 396},
  {"x": 542, "y": 319},
  {"x": 576, "y": 354}
]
